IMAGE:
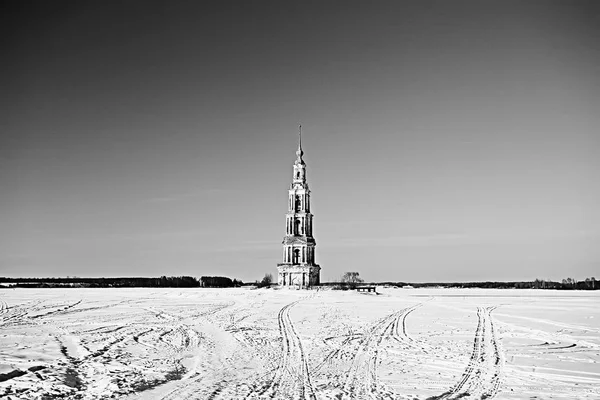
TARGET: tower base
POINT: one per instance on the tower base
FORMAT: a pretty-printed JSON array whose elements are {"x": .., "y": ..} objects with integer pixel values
[{"x": 298, "y": 275}]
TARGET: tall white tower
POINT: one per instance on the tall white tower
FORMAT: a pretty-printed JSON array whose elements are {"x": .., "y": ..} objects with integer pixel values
[{"x": 298, "y": 267}]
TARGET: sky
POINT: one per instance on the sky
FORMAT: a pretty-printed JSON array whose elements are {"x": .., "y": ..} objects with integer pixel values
[{"x": 445, "y": 141}]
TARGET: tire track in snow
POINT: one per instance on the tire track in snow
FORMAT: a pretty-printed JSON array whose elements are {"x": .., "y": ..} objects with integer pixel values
[
  {"x": 371, "y": 347},
  {"x": 399, "y": 326},
  {"x": 70, "y": 310},
  {"x": 361, "y": 378},
  {"x": 191, "y": 380},
  {"x": 225, "y": 382},
  {"x": 58, "y": 311},
  {"x": 293, "y": 362},
  {"x": 20, "y": 313},
  {"x": 4, "y": 310},
  {"x": 391, "y": 330},
  {"x": 3, "y": 307},
  {"x": 372, "y": 383},
  {"x": 483, "y": 374},
  {"x": 335, "y": 353},
  {"x": 306, "y": 389},
  {"x": 473, "y": 360}
]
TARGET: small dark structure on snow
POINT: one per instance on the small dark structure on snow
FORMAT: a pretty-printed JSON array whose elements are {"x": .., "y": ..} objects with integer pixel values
[{"x": 366, "y": 289}]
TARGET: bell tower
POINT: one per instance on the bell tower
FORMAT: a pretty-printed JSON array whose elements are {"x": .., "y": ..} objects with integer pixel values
[{"x": 298, "y": 268}]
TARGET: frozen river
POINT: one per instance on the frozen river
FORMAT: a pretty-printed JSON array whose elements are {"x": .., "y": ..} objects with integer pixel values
[{"x": 288, "y": 344}]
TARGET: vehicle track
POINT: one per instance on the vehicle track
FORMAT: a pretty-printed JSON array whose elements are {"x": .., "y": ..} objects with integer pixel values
[
  {"x": 181, "y": 338},
  {"x": 109, "y": 340},
  {"x": 59, "y": 310},
  {"x": 3, "y": 307},
  {"x": 293, "y": 363},
  {"x": 362, "y": 352},
  {"x": 4, "y": 311},
  {"x": 483, "y": 375},
  {"x": 372, "y": 383},
  {"x": 362, "y": 376},
  {"x": 399, "y": 326},
  {"x": 16, "y": 315},
  {"x": 213, "y": 310},
  {"x": 70, "y": 310},
  {"x": 335, "y": 354}
]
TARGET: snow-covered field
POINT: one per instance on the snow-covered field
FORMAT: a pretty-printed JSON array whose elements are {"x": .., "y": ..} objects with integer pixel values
[{"x": 288, "y": 344}]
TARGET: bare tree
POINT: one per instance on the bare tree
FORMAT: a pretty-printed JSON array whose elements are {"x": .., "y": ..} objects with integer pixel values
[
  {"x": 266, "y": 281},
  {"x": 351, "y": 279}
]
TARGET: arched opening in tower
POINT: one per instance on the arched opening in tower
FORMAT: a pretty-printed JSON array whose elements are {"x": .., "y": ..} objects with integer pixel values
[{"x": 297, "y": 256}]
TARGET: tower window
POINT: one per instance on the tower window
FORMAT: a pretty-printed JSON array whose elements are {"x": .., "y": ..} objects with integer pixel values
[
  {"x": 298, "y": 175},
  {"x": 297, "y": 203}
]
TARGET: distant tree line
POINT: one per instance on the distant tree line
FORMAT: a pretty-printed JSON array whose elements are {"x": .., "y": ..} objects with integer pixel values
[
  {"x": 219, "y": 282},
  {"x": 347, "y": 281},
  {"x": 163, "y": 281},
  {"x": 567, "y": 284}
]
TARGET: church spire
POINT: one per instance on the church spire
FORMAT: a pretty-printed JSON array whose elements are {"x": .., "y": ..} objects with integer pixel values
[{"x": 299, "y": 152}]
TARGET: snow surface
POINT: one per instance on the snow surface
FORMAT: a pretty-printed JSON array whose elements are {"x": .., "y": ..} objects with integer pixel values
[{"x": 290, "y": 344}]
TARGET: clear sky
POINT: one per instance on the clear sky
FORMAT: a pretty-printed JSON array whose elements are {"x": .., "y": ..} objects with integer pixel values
[{"x": 445, "y": 140}]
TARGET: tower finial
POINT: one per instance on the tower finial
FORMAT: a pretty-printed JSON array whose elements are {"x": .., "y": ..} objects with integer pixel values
[{"x": 299, "y": 152}]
